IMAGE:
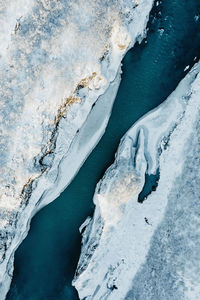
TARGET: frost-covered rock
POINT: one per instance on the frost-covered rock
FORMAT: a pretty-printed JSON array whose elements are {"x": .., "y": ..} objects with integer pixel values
[
  {"x": 57, "y": 60},
  {"x": 149, "y": 248}
]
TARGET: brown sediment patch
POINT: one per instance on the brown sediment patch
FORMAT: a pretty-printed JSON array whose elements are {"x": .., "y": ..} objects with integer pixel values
[
  {"x": 122, "y": 47},
  {"x": 61, "y": 114},
  {"x": 67, "y": 102},
  {"x": 27, "y": 190},
  {"x": 51, "y": 144},
  {"x": 85, "y": 81}
]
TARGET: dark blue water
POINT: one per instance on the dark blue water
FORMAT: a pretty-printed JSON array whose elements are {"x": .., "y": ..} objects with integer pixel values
[
  {"x": 45, "y": 262},
  {"x": 150, "y": 185}
]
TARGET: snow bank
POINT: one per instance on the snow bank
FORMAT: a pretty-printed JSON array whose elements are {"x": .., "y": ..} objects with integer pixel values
[
  {"x": 59, "y": 73},
  {"x": 148, "y": 250}
]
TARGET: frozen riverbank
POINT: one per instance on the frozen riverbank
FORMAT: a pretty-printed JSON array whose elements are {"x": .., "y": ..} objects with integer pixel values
[
  {"x": 48, "y": 96},
  {"x": 128, "y": 246}
]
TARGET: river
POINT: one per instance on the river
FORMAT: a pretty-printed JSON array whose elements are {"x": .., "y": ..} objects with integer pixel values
[{"x": 46, "y": 260}]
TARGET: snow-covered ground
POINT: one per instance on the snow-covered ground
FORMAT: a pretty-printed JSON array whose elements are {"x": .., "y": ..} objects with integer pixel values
[
  {"x": 57, "y": 59},
  {"x": 149, "y": 250}
]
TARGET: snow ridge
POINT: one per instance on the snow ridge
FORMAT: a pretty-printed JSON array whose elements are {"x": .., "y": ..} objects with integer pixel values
[{"x": 147, "y": 251}]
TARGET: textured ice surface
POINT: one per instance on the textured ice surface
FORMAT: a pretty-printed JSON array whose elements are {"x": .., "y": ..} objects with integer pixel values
[
  {"x": 149, "y": 250},
  {"x": 57, "y": 58}
]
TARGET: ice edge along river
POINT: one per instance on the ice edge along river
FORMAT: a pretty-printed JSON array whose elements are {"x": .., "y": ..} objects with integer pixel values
[
  {"x": 117, "y": 240},
  {"x": 55, "y": 180}
]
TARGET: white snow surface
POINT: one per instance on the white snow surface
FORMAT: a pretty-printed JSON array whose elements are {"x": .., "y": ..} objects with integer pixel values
[
  {"x": 149, "y": 250},
  {"x": 57, "y": 59}
]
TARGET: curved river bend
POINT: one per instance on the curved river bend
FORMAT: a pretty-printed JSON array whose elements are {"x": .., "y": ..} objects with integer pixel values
[{"x": 46, "y": 261}]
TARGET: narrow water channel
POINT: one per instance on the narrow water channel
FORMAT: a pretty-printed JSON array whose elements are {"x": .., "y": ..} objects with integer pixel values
[{"x": 46, "y": 261}]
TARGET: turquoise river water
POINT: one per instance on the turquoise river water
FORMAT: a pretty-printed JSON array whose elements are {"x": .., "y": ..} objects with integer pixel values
[{"x": 46, "y": 260}]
